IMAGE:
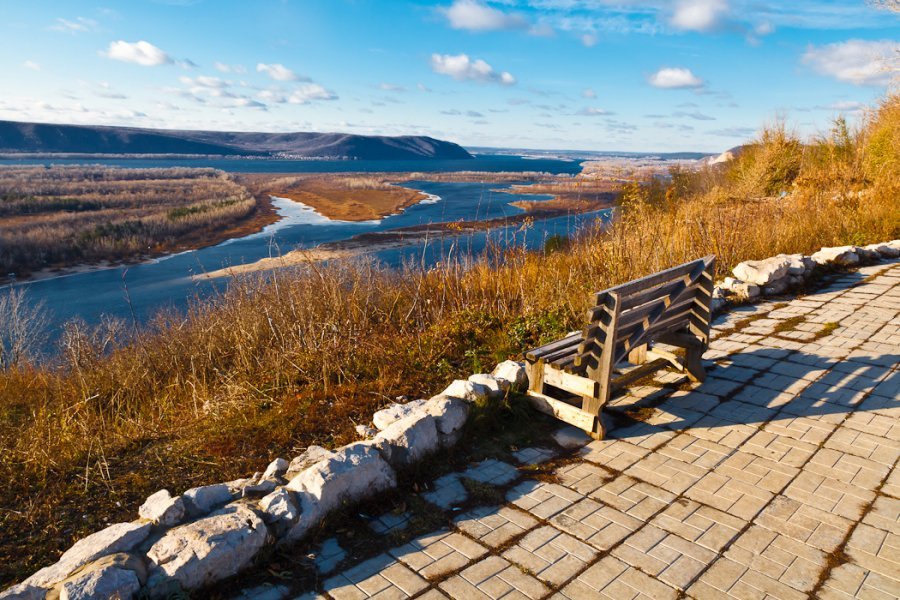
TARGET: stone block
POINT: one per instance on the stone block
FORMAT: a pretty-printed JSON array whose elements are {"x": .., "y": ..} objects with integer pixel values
[{"x": 208, "y": 550}]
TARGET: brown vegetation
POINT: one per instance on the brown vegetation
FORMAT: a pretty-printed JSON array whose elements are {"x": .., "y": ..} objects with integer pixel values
[
  {"x": 299, "y": 357},
  {"x": 341, "y": 197},
  {"x": 69, "y": 215}
]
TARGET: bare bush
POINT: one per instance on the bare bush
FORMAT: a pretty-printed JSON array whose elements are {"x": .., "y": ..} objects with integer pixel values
[{"x": 22, "y": 328}]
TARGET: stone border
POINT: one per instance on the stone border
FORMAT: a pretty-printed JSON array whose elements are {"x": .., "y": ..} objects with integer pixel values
[
  {"x": 776, "y": 275},
  {"x": 213, "y": 532}
]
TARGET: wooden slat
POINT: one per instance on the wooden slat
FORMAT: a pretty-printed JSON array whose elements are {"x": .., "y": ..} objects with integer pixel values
[
  {"x": 562, "y": 411},
  {"x": 638, "y": 372},
  {"x": 560, "y": 354},
  {"x": 540, "y": 352},
  {"x": 656, "y": 279},
  {"x": 664, "y": 305},
  {"x": 580, "y": 386}
]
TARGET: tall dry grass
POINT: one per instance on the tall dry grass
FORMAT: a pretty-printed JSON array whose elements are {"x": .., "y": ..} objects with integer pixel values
[
  {"x": 298, "y": 357},
  {"x": 67, "y": 215}
]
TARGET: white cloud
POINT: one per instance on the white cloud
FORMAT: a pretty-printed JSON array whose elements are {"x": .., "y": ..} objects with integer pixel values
[
  {"x": 205, "y": 81},
  {"x": 588, "y": 93},
  {"x": 699, "y": 15},
  {"x": 279, "y": 72},
  {"x": 474, "y": 15},
  {"x": 461, "y": 68},
  {"x": 390, "y": 87},
  {"x": 592, "y": 111},
  {"x": 845, "y": 106},
  {"x": 30, "y": 64},
  {"x": 423, "y": 88},
  {"x": 589, "y": 40},
  {"x": 675, "y": 78},
  {"x": 226, "y": 68},
  {"x": 859, "y": 62},
  {"x": 140, "y": 53},
  {"x": 305, "y": 94},
  {"x": 79, "y": 25}
]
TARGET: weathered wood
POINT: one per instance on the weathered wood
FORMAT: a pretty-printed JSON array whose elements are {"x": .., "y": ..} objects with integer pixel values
[
  {"x": 575, "y": 384},
  {"x": 637, "y": 373},
  {"x": 563, "y": 411},
  {"x": 673, "y": 359},
  {"x": 570, "y": 340},
  {"x": 638, "y": 355},
  {"x": 671, "y": 306},
  {"x": 603, "y": 372}
]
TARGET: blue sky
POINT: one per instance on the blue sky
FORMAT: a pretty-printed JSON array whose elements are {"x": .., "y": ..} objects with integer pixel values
[{"x": 553, "y": 74}]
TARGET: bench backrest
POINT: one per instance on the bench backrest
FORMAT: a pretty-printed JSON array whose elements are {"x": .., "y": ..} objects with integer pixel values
[{"x": 629, "y": 315}]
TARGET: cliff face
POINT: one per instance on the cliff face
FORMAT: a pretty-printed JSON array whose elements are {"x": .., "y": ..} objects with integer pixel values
[{"x": 16, "y": 137}]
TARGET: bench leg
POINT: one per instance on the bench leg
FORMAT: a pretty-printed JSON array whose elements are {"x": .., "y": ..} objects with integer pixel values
[
  {"x": 638, "y": 355},
  {"x": 693, "y": 364}
]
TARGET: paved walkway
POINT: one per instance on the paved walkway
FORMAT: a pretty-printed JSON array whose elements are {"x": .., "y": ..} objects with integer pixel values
[{"x": 774, "y": 479}]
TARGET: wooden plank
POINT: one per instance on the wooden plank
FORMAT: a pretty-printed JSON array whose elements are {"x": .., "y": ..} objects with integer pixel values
[
  {"x": 541, "y": 351},
  {"x": 561, "y": 353},
  {"x": 657, "y": 353},
  {"x": 638, "y": 372},
  {"x": 656, "y": 279},
  {"x": 641, "y": 298},
  {"x": 562, "y": 411},
  {"x": 535, "y": 372},
  {"x": 580, "y": 386},
  {"x": 663, "y": 306},
  {"x": 603, "y": 371}
]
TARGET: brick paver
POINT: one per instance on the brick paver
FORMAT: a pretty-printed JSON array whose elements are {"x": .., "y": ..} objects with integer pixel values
[{"x": 775, "y": 478}]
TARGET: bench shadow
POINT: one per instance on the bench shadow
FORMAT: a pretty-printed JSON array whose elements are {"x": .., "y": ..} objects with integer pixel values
[{"x": 763, "y": 386}]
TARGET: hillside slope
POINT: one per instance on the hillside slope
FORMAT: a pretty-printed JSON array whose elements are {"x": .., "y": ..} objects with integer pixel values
[{"x": 47, "y": 138}]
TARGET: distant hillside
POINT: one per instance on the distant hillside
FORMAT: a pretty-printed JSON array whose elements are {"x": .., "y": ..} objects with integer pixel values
[{"x": 46, "y": 138}]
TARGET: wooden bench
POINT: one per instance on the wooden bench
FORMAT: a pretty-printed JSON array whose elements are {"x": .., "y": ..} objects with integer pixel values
[{"x": 572, "y": 378}]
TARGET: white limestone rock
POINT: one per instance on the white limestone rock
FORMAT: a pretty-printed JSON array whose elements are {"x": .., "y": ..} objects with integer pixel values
[
  {"x": 349, "y": 475},
  {"x": 467, "y": 390},
  {"x": 777, "y": 287},
  {"x": 762, "y": 272},
  {"x": 23, "y": 591},
  {"x": 201, "y": 500},
  {"x": 118, "y": 576},
  {"x": 121, "y": 537},
  {"x": 497, "y": 388},
  {"x": 740, "y": 288},
  {"x": 409, "y": 440},
  {"x": 366, "y": 432},
  {"x": 276, "y": 469},
  {"x": 262, "y": 488},
  {"x": 884, "y": 250},
  {"x": 280, "y": 509},
  {"x": 309, "y": 457},
  {"x": 386, "y": 417},
  {"x": 208, "y": 550},
  {"x": 796, "y": 263},
  {"x": 513, "y": 372},
  {"x": 841, "y": 255},
  {"x": 162, "y": 509},
  {"x": 450, "y": 413}
]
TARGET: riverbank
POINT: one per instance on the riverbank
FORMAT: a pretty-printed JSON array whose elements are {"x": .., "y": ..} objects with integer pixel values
[
  {"x": 376, "y": 241},
  {"x": 351, "y": 198}
]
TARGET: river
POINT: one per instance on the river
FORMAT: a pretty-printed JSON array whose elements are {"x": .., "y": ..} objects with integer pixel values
[{"x": 140, "y": 290}]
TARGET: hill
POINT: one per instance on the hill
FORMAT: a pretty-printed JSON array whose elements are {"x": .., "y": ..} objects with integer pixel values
[{"x": 47, "y": 138}]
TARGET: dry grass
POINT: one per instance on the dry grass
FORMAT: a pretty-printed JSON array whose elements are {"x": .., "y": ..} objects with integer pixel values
[
  {"x": 341, "y": 197},
  {"x": 63, "y": 216},
  {"x": 277, "y": 363}
]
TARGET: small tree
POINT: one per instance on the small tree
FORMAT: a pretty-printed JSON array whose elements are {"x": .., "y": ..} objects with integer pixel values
[{"x": 22, "y": 326}]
